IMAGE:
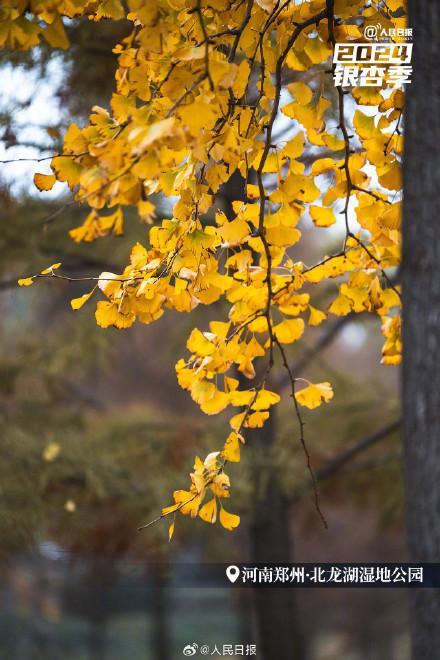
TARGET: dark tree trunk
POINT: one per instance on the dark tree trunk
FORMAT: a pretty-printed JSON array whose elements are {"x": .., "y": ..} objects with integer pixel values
[
  {"x": 97, "y": 641},
  {"x": 421, "y": 326},
  {"x": 271, "y": 541},
  {"x": 159, "y": 604}
]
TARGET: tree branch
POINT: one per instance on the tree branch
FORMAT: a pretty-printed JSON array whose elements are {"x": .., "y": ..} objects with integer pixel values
[{"x": 345, "y": 457}]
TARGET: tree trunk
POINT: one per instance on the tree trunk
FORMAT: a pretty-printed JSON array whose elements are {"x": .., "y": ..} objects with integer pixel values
[
  {"x": 421, "y": 318},
  {"x": 159, "y": 612},
  {"x": 271, "y": 541},
  {"x": 97, "y": 642}
]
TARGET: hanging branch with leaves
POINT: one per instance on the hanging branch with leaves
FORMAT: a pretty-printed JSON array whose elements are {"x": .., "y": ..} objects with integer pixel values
[{"x": 199, "y": 91}]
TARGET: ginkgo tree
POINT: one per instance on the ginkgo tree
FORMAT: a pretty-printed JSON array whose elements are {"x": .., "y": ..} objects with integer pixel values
[{"x": 200, "y": 88}]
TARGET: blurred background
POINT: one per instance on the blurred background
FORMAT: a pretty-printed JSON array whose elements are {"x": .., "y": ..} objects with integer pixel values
[{"x": 96, "y": 434}]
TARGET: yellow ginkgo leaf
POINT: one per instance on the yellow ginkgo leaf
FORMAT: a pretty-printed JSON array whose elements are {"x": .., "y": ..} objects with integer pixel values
[
  {"x": 295, "y": 147},
  {"x": 321, "y": 216},
  {"x": 289, "y": 330},
  {"x": 265, "y": 399},
  {"x": 25, "y": 281},
  {"x": 67, "y": 169},
  {"x": 228, "y": 520},
  {"x": 77, "y": 303},
  {"x": 241, "y": 80},
  {"x": 301, "y": 92},
  {"x": 313, "y": 396},
  {"x": 197, "y": 343},
  {"x": 234, "y": 232},
  {"x": 55, "y": 34},
  {"x": 364, "y": 125},
  {"x": 341, "y": 306},
  {"x": 202, "y": 391},
  {"x": 44, "y": 181},
  {"x": 316, "y": 316},
  {"x": 231, "y": 450},
  {"x": 256, "y": 420},
  {"x": 221, "y": 485},
  {"x": 215, "y": 404},
  {"x": 171, "y": 530},
  {"x": 390, "y": 176},
  {"x": 188, "y": 502},
  {"x": 208, "y": 512},
  {"x": 49, "y": 269},
  {"x": 322, "y": 165},
  {"x": 107, "y": 314}
]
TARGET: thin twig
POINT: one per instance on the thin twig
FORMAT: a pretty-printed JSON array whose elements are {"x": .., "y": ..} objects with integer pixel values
[{"x": 301, "y": 424}]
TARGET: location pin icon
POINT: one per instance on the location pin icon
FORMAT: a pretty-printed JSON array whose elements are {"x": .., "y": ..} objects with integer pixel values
[{"x": 232, "y": 573}]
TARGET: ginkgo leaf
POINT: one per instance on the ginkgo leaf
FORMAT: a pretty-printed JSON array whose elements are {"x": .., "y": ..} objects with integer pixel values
[
  {"x": 77, "y": 303},
  {"x": 171, "y": 530},
  {"x": 301, "y": 92},
  {"x": 295, "y": 147},
  {"x": 316, "y": 316},
  {"x": 235, "y": 232},
  {"x": 49, "y": 269},
  {"x": 55, "y": 34},
  {"x": 322, "y": 165},
  {"x": 199, "y": 344},
  {"x": 25, "y": 281},
  {"x": 231, "y": 450},
  {"x": 208, "y": 511},
  {"x": 44, "y": 181},
  {"x": 321, "y": 216},
  {"x": 146, "y": 210},
  {"x": 289, "y": 330},
  {"x": 341, "y": 306},
  {"x": 256, "y": 420},
  {"x": 265, "y": 399},
  {"x": 216, "y": 403},
  {"x": 317, "y": 50},
  {"x": 122, "y": 106},
  {"x": 313, "y": 396},
  {"x": 364, "y": 125},
  {"x": 188, "y": 502},
  {"x": 282, "y": 236},
  {"x": 202, "y": 391},
  {"x": 67, "y": 169},
  {"x": 390, "y": 176},
  {"x": 107, "y": 314},
  {"x": 241, "y": 79},
  {"x": 228, "y": 520},
  {"x": 251, "y": 421}
]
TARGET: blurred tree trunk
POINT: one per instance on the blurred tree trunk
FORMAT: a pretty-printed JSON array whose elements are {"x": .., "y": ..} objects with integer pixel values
[
  {"x": 159, "y": 612},
  {"x": 421, "y": 326},
  {"x": 97, "y": 641},
  {"x": 271, "y": 541}
]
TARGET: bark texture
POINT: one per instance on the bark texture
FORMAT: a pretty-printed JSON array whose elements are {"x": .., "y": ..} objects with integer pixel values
[
  {"x": 271, "y": 541},
  {"x": 421, "y": 326}
]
